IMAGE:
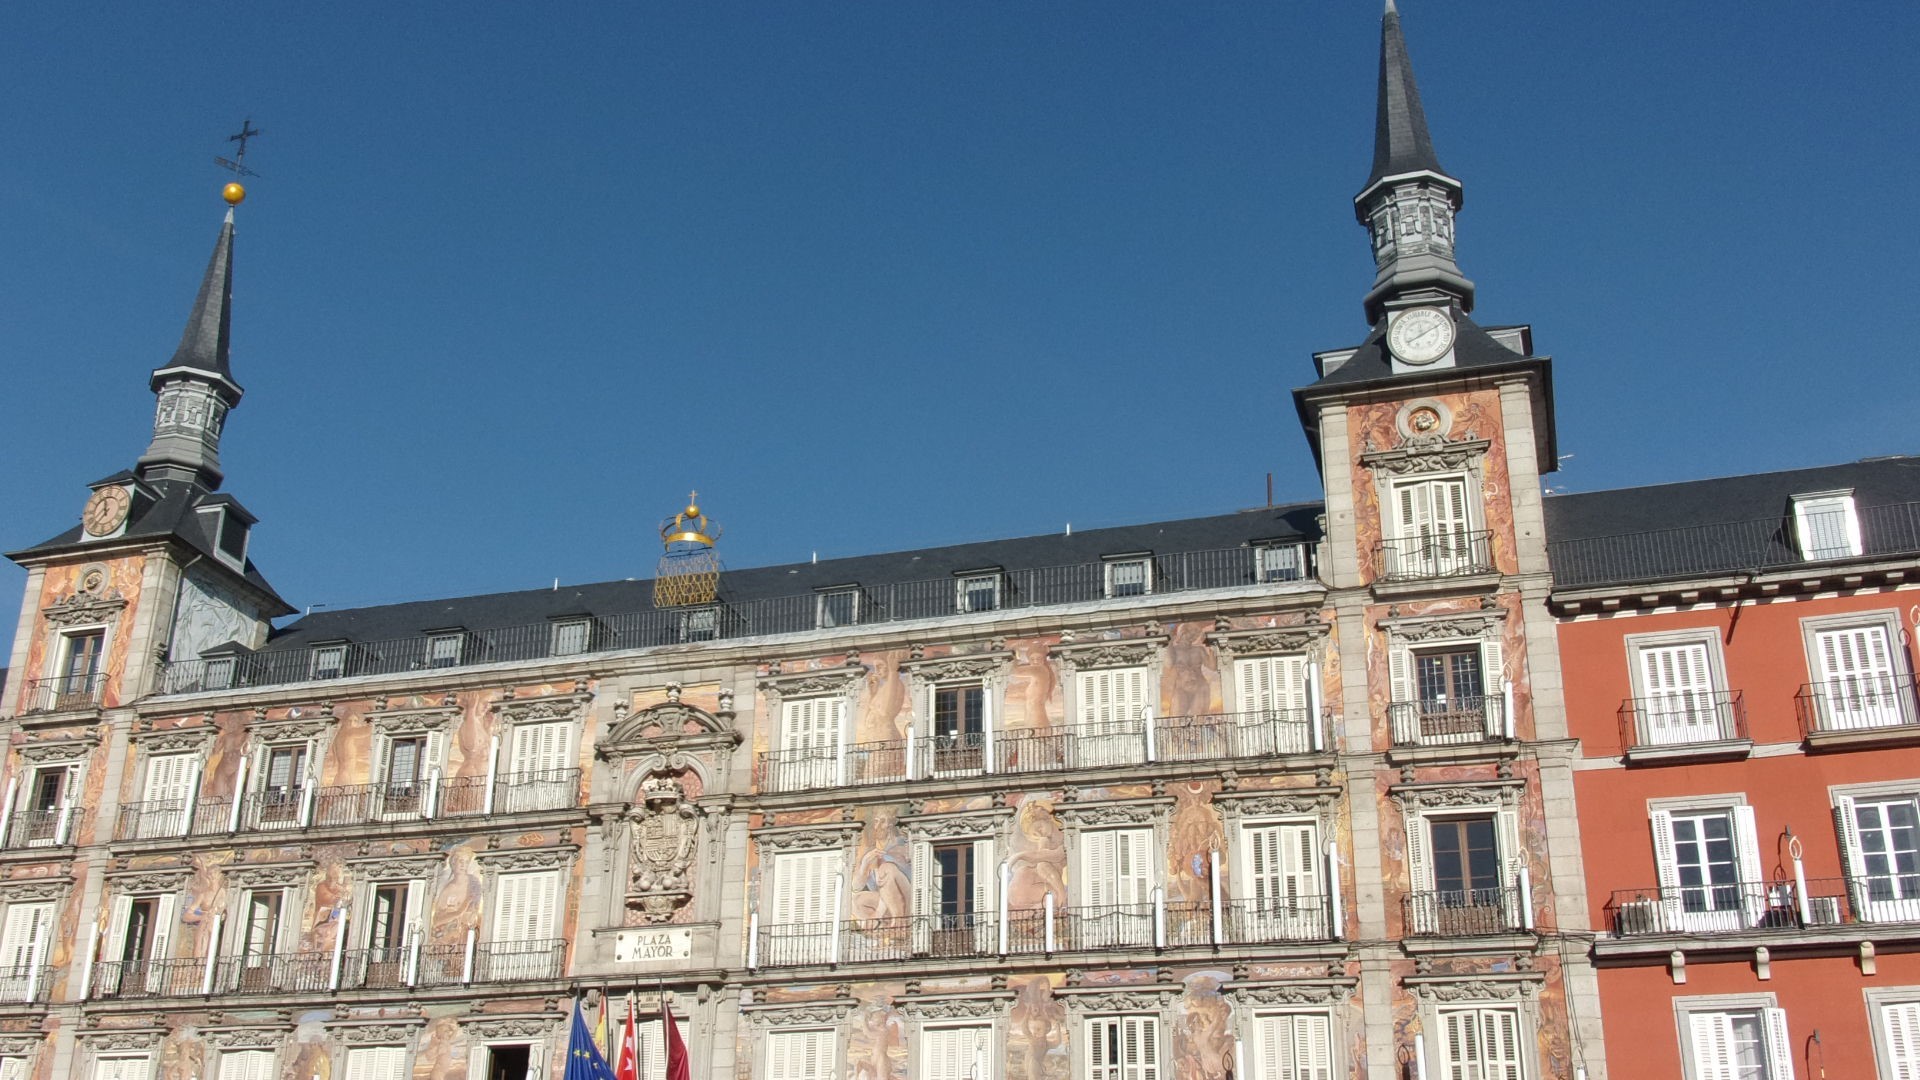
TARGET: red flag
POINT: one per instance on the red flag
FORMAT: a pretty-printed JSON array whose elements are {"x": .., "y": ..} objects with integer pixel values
[
  {"x": 627, "y": 1062},
  {"x": 677, "y": 1067}
]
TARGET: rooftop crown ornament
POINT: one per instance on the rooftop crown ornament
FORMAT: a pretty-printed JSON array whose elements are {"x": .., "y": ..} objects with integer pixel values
[{"x": 689, "y": 571}]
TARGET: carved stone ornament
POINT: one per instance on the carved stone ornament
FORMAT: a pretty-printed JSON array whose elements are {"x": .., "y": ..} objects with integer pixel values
[
  {"x": 669, "y": 723},
  {"x": 956, "y": 826},
  {"x": 1328, "y": 992},
  {"x": 396, "y": 867},
  {"x": 1475, "y": 988},
  {"x": 283, "y": 875},
  {"x": 54, "y": 751},
  {"x": 117, "y": 1041},
  {"x": 1490, "y": 795},
  {"x": 21, "y": 892},
  {"x": 84, "y": 609},
  {"x": 243, "y": 1038},
  {"x": 1427, "y": 455},
  {"x": 19, "y": 1045},
  {"x": 802, "y": 684},
  {"x": 1296, "y": 802},
  {"x": 390, "y": 1033},
  {"x": 174, "y": 740},
  {"x": 150, "y": 881},
  {"x": 666, "y": 828},
  {"x": 954, "y": 1008},
  {"x": 536, "y": 709},
  {"x": 1270, "y": 640},
  {"x": 1450, "y": 628},
  {"x": 799, "y": 1014},
  {"x": 492, "y": 1028},
  {"x": 1131, "y": 812},
  {"x": 1094, "y": 655},
  {"x": 806, "y": 837},
  {"x": 959, "y": 666},
  {"x": 510, "y": 860},
  {"x": 289, "y": 728},
  {"x": 1116, "y": 999},
  {"x": 413, "y": 721}
]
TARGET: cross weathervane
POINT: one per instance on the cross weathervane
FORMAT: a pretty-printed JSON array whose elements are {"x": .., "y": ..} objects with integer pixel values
[{"x": 238, "y": 165}]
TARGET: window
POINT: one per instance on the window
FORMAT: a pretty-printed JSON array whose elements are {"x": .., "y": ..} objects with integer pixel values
[
  {"x": 1281, "y": 891},
  {"x": 1463, "y": 868},
  {"x": 1737, "y": 1043},
  {"x": 1880, "y": 848},
  {"x": 1292, "y": 1046},
  {"x": 838, "y": 606},
  {"x": 49, "y": 798},
  {"x": 956, "y": 1053},
  {"x": 140, "y": 931},
  {"x": 802, "y": 1055},
  {"x": 803, "y": 884},
  {"x": 447, "y": 650},
  {"x": 377, "y": 1063},
  {"x": 811, "y": 734},
  {"x": 282, "y": 781},
  {"x": 1274, "y": 699},
  {"x": 233, "y": 537},
  {"x": 1857, "y": 681},
  {"x": 13, "y": 1068},
  {"x": 258, "y": 942},
  {"x": 122, "y": 1067},
  {"x": 23, "y": 941},
  {"x": 1123, "y": 1048},
  {"x": 1826, "y": 525},
  {"x": 977, "y": 591},
  {"x": 1896, "y": 1032},
  {"x": 525, "y": 906},
  {"x": 1129, "y": 576},
  {"x": 953, "y": 897},
  {"x": 219, "y": 673},
  {"x": 328, "y": 662},
  {"x": 1709, "y": 865},
  {"x": 1447, "y": 694},
  {"x": 1111, "y": 701},
  {"x": 79, "y": 668},
  {"x": 1481, "y": 1044},
  {"x": 402, "y": 768},
  {"x": 391, "y": 911},
  {"x": 699, "y": 624},
  {"x": 570, "y": 637},
  {"x": 1432, "y": 533},
  {"x": 541, "y": 768},
  {"x": 1116, "y": 887},
  {"x": 1280, "y": 562},
  {"x": 959, "y": 728},
  {"x": 170, "y": 777},
  {"x": 246, "y": 1065},
  {"x": 1679, "y": 693}
]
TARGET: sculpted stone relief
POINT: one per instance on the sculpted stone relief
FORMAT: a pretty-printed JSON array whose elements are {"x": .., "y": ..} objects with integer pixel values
[{"x": 665, "y": 831}]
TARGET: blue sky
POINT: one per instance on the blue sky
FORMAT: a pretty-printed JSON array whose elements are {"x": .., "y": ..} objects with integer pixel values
[{"x": 879, "y": 275}]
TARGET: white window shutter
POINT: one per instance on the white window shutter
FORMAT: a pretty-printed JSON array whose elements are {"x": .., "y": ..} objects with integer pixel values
[
  {"x": 1779, "y": 1046},
  {"x": 1462, "y": 1036},
  {"x": 1420, "y": 873},
  {"x": 1514, "y": 859},
  {"x": 168, "y": 776},
  {"x": 245, "y": 1065},
  {"x": 1746, "y": 843},
  {"x": 952, "y": 1053},
  {"x": 985, "y": 877},
  {"x": 1399, "y": 661},
  {"x": 13, "y": 1068},
  {"x": 1713, "y": 1054},
  {"x": 1900, "y": 1025},
  {"x": 382, "y": 750},
  {"x": 117, "y": 920},
  {"x": 1666, "y": 862},
  {"x": 1099, "y": 867},
  {"x": 1493, "y": 665},
  {"x": 436, "y": 755},
  {"x": 1503, "y": 1049},
  {"x": 1135, "y": 871},
  {"x": 652, "y": 1053},
  {"x": 924, "y": 896},
  {"x": 26, "y": 926},
  {"x": 1273, "y": 683},
  {"x": 163, "y": 918},
  {"x": 802, "y": 886}
]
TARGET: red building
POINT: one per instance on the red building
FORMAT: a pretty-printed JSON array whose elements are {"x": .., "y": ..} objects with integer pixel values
[{"x": 1738, "y": 666}]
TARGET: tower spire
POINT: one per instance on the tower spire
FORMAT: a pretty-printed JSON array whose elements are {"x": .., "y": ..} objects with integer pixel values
[
  {"x": 196, "y": 387},
  {"x": 1408, "y": 202}
]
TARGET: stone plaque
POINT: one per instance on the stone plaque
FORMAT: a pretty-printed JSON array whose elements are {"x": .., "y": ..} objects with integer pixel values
[{"x": 646, "y": 944}]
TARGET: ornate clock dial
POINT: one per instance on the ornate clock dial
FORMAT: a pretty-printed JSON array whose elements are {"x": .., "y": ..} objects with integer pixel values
[
  {"x": 105, "y": 511},
  {"x": 1421, "y": 336}
]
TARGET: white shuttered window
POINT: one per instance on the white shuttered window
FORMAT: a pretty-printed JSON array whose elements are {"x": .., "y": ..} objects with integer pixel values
[
  {"x": 1481, "y": 1044},
  {"x": 246, "y": 1065},
  {"x": 812, "y": 731},
  {"x": 956, "y": 1053},
  {"x": 1123, "y": 1048},
  {"x": 377, "y": 1063},
  {"x": 542, "y": 748},
  {"x": 802, "y": 1055},
  {"x": 1293, "y": 1046},
  {"x": 122, "y": 1068},
  {"x": 803, "y": 883},
  {"x": 1746, "y": 1044},
  {"x": 1858, "y": 687},
  {"x": 1280, "y": 872},
  {"x": 1900, "y": 1035},
  {"x": 1116, "y": 866},
  {"x": 26, "y": 929},
  {"x": 526, "y": 906},
  {"x": 1676, "y": 682},
  {"x": 13, "y": 1068},
  {"x": 1112, "y": 695}
]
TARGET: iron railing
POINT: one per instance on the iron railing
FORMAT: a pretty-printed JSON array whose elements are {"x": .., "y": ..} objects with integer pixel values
[
  {"x": 62, "y": 693},
  {"x": 337, "y": 805},
  {"x": 1159, "y": 923},
  {"x": 308, "y": 973},
  {"x": 1727, "y": 547},
  {"x": 273, "y": 973},
  {"x": 22, "y": 983},
  {"x": 1466, "y": 912},
  {"x": 1263, "y": 733},
  {"x": 1078, "y": 583},
  {"x": 519, "y": 961},
  {"x": 148, "y": 978},
  {"x": 46, "y": 828},
  {"x": 1857, "y": 703},
  {"x": 1683, "y": 719},
  {"x": 163, "y": 818},
  {"x": 1461, "y": 721},
  {"x": 1743, "y": 907},
  {"x": 1437, "y": 555}
]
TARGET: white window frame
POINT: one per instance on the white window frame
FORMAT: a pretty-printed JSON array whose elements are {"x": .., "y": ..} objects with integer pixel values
[
  {"x": 1427, "y": 560},
  {"x": 439, "y": 641},
  {"x": 827, "y": 1041},
  {"x": 15, "y": 1066},
  {"x": 1508, "y": 859},
  {"x": 1111, "y": 572},
  {"x": 1279, "y": 561},
  {"x": 1879, "y": 1000},
  {"x": 63, "y": 656},
  {"x": 26, "y": 929},
  {"x": 166, "y": 916},
  {"x": 824, "y": 601},
  {"x": 1806, "y": 506},
  {"x": 123, "y": 1066},
  {"x": 361, "y": 1062},
  {"x": 984, "y": 1066},
  {"x": 1264, "y": 1045},
  {"x": 561, "y": 642},
  {"x": 1648, "y": 715},
  {"x": 218, "y": 673},
  {"x": 508, "y": 925},
  {"x": 925, "y": 883},
  {"x": 432, "y": 766},
  {"x": 699, "y": 623},
  {"x": 413, "y": 925},
  {"x": 479, "y": 1054},
  {"x": 1774, "y": 1033},
  {"x": 327, "y": 661},
  {"x": 962, "y": 593},
  {"x": 1092, "y": 1029},
  {"x": 816, "y": 770},
  {"x": 982, "y": 754},
  {"x": 1404, "y": 686},
  {"x": 153, "y": 824},
  {"x": 1297, "y": 921},
  {"x": 1856, "y": 701},
  {"x": 1440, "y": 1044},
  {"x": 1871, "y": 904},
  {"x": 1750, "y": 902},
  {"x": 1096, "y": 879},
  {"x": 264, "y": 1063},
  {"x": 1110, "y": 731},
  {"x": 829, "y": 867}
]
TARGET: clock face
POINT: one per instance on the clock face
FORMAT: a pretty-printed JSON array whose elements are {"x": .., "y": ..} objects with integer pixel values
[
  {"x": 1421, "y": 336},
  {"x": 105, "y": 511}
]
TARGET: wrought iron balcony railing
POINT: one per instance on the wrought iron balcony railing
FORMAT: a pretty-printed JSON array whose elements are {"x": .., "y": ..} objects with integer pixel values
[
  {"x": 63, "y": 693},
  {"x": 1155, "y": 924},
  {"x": 1438, "y": 555},
  {"x": 1745, "y": 907},
  {"x": 1458, "y": 722},
  {"x": 1469, "y": 912},
  {"x": 44, "y": 828},
  {"x": 308, "y": 973},
  {"x": 1080, "y": 583},
  {"x": 1857, "y": 703},
  {"x": 23, "y": 983},
  {"x": 313, "y": 806},
  {"x": 1265, "y": 733},
  {"x": 1689, "y": 718}
]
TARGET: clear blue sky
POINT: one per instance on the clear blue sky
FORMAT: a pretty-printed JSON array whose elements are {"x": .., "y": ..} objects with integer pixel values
[{"x": 881, "y": 275}]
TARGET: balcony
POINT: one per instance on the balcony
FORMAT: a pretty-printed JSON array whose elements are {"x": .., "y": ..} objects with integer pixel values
[
  {"x": 66, "y": 693},
  {"x": 1696, "y": 724},
  {"x": 1157, "y": 924},
  {"x": 1265, "y": 733},
  {"x": 353, "y": 805},
  {"x": 1859, "y": 710},
  {"x": 22, "y": 984},
  {"x": 1463, "y": 721},
  {"x": 1437, "y": 556},
  {"x": 1761, "y": 907},
  {"x": 1007, "y": 590},
  {"x": 311, "y": 973},
  {"x": 1469, "y": 912},
  {"x": 27, "y": 829}
]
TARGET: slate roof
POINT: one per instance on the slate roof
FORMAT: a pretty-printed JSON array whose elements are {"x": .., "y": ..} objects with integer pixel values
[
  {"x": 1473, "y": 347},
  {"x": 206, "y": 344},
  {"x": 1401, "y": 143},
  {"x": 737, "y": 587}
]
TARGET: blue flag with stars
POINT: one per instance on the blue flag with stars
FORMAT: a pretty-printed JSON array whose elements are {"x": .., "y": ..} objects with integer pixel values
[{"x": 584, "y": 1060}]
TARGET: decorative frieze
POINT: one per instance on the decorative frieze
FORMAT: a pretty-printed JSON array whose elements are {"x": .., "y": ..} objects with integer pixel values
[
  {"x": 396, "y": 867},
  {"x": 150, "y": 881},
  {"x": 1427, "y": 455},
  {"x": 957, "y": 826},
  {"x": 122, "y": 1040},
  {"x": 284, "y": 875},
  {"x": 1270, "y": 640},
  {"x": 1466, "y": 795},
  {"x": 1301, "y": 992},
  {"x": 1450, "y": 627},
  {"x": 511, "y": 860},
  {"x": 842, "y": 680},
  {"x": 955, "y": 1007},
  {"x": 401, "y": 722},
  {"x": 1285, "y": 802},
  {"x": 174, "y": 740},
  {"x": 1098, "y": 814},
  {"x": 1117, "y": 999},
  {"x": 533, "y": 710},
  {"x": 56, "y": 751},
  {"x": 1120, "y": 652},
  {"x": 31, "y": 889},
  {"x": 799, "y": 1014},
  {"x": 84, "y": 609},
  {"x": 375, "y": 1033},
  {"x": 957, "y": 667},
  {"x": 806, "y": 837},
  {"x": 502, "y": 1028},
  {"x": 243, "y": 1038},
  {"x": 1492, "y": 986}
]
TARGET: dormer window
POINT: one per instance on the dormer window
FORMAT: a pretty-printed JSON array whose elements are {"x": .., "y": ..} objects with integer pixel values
[
  {"x": 699, "y": 624},
  {"x": 837, "y": 606},
  {"x": 446, "y": 648},
  {"x": 229, "y": 532},
  {"x": 328, "y": 661},
  {"x": 1826, "y": 525},
  {"x": 570, "y": 636},
  {"x": 1129, "y": 575},
  {"x": 1280, "y": 562},
  {"x": 977, "y": 590}
]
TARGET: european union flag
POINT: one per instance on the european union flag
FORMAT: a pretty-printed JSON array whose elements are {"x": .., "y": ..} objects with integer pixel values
[{"x": 584, "y": 1060}]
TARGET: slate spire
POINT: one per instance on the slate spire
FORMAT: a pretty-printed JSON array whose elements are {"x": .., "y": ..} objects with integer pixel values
[
  {"x": 1408, "y": 202},
  {"x": 196, "y": 387}
]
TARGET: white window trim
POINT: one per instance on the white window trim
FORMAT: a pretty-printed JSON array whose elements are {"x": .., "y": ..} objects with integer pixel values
[
  {"x": 1878, "y": 998},
  {"x": 100, "y": 1060},
  {"x": 459, "y": 638},
  {"x": 1525, "y": 1023},
  {"x": 1685, "y": 1007},
  {"x": 1262, "y": 549},
  {"x": 317, "y": 652},
  {"x": 1701, "y": 635},
  {"x": 993, "y": 575},
  {"x": 1109, "y": 563},
  {"x": 1082, "y": 1040},
  {"x": 1844, "y": 798},
  {"x": 1807, "y": 503},
  {"x": 1747, "y": 857},
  {"x": 1508, "y": 854},
  {"x": 835, "y": 1044},
  {"x": 993, "y": 1051},
  {"x": 583, "y": 623},
  {"x": 823, "y": 595},
  {"x": 1077, "y": 873},
  {"x": 1257, "y": 1063},
  {"x": 1887, "y": 620}
]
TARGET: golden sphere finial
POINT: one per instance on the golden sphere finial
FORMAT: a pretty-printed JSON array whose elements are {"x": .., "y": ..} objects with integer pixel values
[
  {"x": 693, "y": 504},
  {"x": 233, "y": 193}
]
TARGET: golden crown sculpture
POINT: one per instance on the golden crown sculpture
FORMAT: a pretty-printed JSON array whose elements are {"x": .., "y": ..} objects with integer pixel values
[{"x": 689, "y": 571}]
